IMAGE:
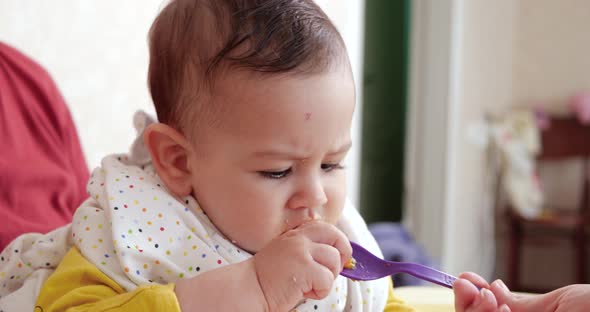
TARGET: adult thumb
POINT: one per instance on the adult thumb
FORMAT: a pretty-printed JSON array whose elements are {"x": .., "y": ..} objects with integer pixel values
[{"x": 522, "y": 302}]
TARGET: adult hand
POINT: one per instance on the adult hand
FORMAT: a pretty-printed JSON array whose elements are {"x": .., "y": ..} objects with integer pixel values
[
  {"x": 469, "y": 299},
  {"x": 572, "y": 298}
]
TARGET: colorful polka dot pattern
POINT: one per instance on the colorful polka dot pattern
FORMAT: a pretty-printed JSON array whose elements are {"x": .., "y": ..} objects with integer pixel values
[
  {"x": 135, "y": 232},
  {"x": 29, "y": 253}
]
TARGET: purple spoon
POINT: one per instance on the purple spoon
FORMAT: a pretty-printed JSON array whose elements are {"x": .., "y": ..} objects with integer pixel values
[{"x": 370, "y": 267}]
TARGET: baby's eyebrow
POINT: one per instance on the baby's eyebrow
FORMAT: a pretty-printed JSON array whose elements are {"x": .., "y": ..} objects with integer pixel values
[
  {"x": 278, "y": 154},
  {"x": 283, "y": 154},
  {"x": 343, "y": 149}
]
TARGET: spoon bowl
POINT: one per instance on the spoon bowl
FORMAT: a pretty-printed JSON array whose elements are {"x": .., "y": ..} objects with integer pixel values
[{"x": 370, "y": 267}]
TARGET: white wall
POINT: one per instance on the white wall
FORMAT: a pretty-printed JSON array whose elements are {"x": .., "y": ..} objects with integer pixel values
[
  {"x": 552, "y": 51},
  {"x": 97, "y": 53},
  {"x": 348, "y": 15},
  {"x": 430, "y": 98},
  {"x": 486, "y": 86},
  {"x": 461, "y": 68}
]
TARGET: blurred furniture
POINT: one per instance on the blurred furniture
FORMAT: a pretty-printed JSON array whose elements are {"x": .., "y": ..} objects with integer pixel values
[{"x": 564, "y": 139}]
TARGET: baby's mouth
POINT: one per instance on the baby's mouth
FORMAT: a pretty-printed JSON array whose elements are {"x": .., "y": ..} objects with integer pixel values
[{"x": 312, "y": 215}]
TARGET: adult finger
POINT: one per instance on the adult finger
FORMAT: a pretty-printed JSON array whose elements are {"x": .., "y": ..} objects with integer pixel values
[
  {"x": 484, "y": 302},
  {"x": 465, "y": 294},
  {"x": 526, "y": 302},
  {"x": 475, "y": 279}
]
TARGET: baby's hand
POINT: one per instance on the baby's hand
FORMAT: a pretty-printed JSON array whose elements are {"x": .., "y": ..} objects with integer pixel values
[
  {"x": 301, "y": 263},
  {"x": 469, "y": 299}
]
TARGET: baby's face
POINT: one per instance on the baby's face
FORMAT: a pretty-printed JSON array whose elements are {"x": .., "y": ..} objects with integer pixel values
[{"x": 275, "y": 159}]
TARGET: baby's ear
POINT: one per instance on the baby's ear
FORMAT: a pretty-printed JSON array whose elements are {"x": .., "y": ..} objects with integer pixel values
[{"x": 170, "y": 153}]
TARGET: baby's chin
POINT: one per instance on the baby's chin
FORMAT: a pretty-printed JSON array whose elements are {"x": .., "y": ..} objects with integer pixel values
[{"x": 252, "y": 246}]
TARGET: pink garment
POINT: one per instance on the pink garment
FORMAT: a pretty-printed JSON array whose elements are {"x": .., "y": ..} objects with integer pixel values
[
  {"x": 43, "y": 173},
  {"x": 580, "y": 105}
]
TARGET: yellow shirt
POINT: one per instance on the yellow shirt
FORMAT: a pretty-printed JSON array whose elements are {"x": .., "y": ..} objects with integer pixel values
[{"x": 77, "y": 285}]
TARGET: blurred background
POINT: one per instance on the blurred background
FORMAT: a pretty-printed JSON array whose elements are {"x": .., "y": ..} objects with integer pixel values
[{"x": 437, "y": 82}]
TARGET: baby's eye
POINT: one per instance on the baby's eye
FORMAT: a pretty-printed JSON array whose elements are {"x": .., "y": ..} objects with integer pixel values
[
  {"x": 275, "y": 174},
  {"x": 330, "y": 167}
]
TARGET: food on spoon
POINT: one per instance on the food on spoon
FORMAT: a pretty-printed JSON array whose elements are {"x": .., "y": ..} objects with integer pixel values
[{"x": 350, "y": 264}]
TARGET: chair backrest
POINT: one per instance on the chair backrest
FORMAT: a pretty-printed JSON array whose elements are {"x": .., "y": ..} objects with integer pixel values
[{"x": 567, "y": 138}]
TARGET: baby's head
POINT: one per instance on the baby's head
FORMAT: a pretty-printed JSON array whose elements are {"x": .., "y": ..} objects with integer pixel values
[{"x": 255, "y": 101}]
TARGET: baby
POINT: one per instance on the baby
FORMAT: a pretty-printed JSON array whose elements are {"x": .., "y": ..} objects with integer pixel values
[{"x": 235, "y": 199}]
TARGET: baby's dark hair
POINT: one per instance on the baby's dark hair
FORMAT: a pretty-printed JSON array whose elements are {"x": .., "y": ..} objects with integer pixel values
[{"x": 192, "y": 42}]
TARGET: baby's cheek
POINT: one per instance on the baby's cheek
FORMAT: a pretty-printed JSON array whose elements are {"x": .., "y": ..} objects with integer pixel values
[
  {"x": 334, "y": 209},
  {"x": 268, "y": 230},
  {"x": 336, "y": 200}
]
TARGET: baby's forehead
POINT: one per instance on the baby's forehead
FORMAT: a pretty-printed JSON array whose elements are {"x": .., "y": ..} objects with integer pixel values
[
  {"x": 240, "y": 88},
  {"x": 255, "y": 95}
]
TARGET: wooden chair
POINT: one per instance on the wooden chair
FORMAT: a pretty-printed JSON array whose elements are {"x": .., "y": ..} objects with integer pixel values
[{"x": 565, "y": 139}]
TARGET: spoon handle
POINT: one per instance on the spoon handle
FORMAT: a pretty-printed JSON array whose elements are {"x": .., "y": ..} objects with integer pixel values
[{"x": 428, "y": 274}]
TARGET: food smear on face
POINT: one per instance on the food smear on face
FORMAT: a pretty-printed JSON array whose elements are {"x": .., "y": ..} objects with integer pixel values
[{"x": 314, "y": 216}]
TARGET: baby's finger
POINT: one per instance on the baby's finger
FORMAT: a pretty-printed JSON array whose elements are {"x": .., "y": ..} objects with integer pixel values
[
  {"x": 327, "y": 256},
  {"x": 325, "y": 233},
  {"x": 320, "y": 281}
]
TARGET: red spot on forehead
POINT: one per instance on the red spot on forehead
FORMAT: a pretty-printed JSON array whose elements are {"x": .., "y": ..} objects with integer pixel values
[{"x": 307, "y": 116}]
